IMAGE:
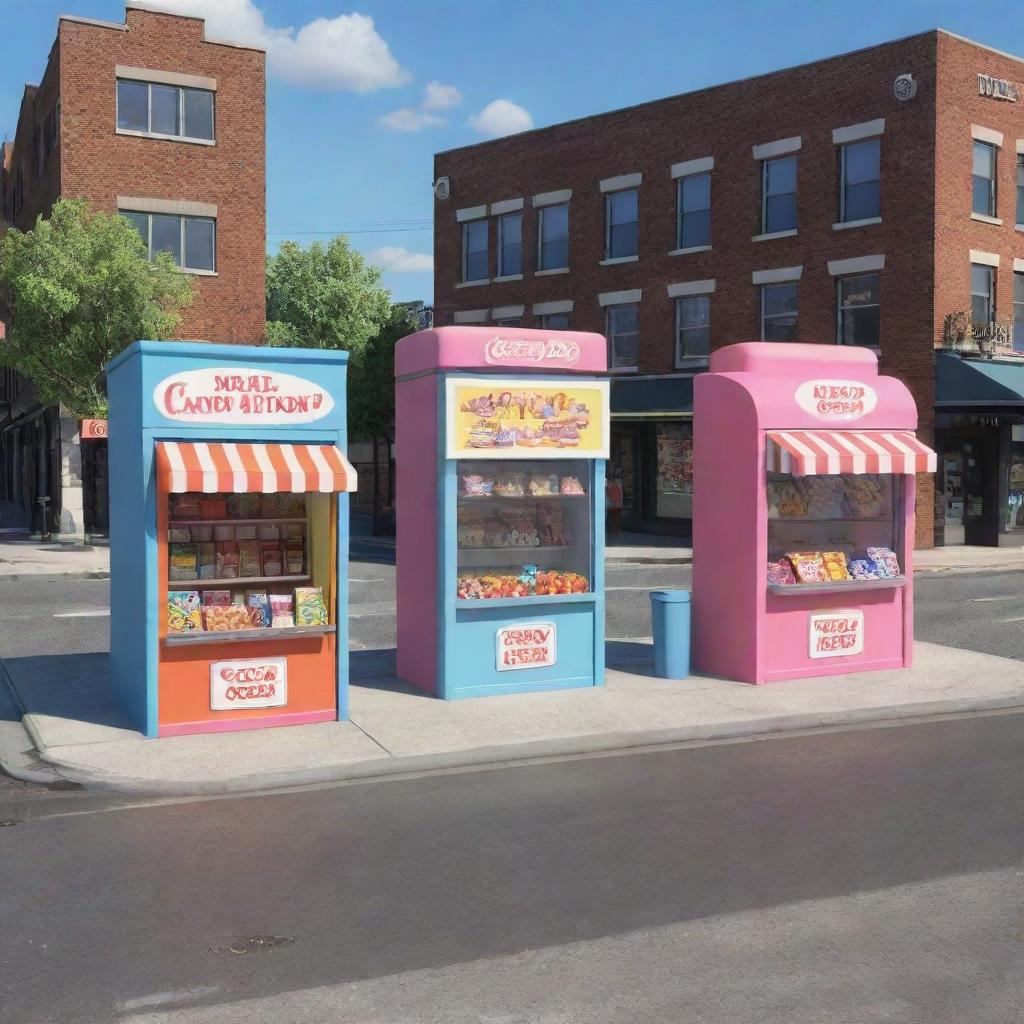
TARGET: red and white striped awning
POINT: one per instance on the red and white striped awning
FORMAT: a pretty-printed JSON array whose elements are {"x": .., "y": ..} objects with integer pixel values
[
  {"x": 260, "y": 468},
  {"x": 817, "y": 452}
]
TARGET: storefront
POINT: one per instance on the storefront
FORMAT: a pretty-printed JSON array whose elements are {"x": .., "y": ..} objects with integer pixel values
[{"x": 652, "y": 452}]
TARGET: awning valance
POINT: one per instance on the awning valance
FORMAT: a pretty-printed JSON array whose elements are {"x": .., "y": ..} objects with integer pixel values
[
  {"x": 818, "y": 452},
  {"x": 260, "y": 468}
]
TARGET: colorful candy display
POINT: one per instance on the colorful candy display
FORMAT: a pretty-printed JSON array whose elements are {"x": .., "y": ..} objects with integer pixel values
[
  {"x": 856, "y": 496},
  {"x": 833, "y": 566},
  {"x": 531, "y": 583}
]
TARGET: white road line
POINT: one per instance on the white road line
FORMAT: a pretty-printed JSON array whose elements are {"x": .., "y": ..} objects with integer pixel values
[
  {"x": 1005, "y": 597},
  {"x": 1017, "y": 618},
  {"x": 93, "y": 613},
  {"x": 634, "y": 588}
]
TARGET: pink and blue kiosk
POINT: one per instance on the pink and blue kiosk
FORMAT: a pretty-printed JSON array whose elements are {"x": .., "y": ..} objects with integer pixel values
[
  {"x": 803, "y": 517},
  {"x": 501, "y": 438}
]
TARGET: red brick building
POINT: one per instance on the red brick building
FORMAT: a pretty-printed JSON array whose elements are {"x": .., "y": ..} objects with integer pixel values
[
  {"x": 151, "y": 119},
  {"x": 833, "y": 202}
]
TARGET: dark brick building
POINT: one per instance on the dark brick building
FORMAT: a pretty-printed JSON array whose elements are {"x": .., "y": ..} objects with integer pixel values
[
  {"x": 833, "y": 202},
  {"x": 150, "y": 119}
]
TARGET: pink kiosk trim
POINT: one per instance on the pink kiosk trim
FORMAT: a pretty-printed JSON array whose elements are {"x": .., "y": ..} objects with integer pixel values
[{"x": 744, "y": 628}]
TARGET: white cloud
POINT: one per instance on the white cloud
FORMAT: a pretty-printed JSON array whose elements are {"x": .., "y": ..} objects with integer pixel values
[
  {"x": 401, "y": 260},
  {"x": 501, "y": 117},
  {"x": 436, "y": 96},
  {"x": 344, "y": 52}
]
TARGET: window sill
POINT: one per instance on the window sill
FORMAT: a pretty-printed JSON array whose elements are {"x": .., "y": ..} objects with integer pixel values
[
  {"x": 845, "y": 225},
  {"x": 508, "y": 277},
  {"x": 984, "y": 218},
  {"x": 693, "y": 363},
  {"x": 1019, "y": 227},
  {"x": 768, "y": 236},
  {"x": 689, "y": 251},
  {"x": 622, "y": 369},
  {"x": 614, "y": 261},
  {"x": 165, "y": 138},
  {"x": 549, "y": 273},
  {"x": 473, "y": 284},
  {"x": 198, "y": 273}
]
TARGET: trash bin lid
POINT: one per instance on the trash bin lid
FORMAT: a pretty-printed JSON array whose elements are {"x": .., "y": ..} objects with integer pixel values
[{"x": 671, "y": 596}]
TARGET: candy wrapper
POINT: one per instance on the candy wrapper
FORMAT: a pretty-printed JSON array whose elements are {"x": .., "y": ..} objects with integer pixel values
[
  {"x": 221, "y": 619},
  {"x": 781, "y": 571},
  {"x": 825, "y": 496},
  {"x": 570, "y": 485},
  {"x": 476, "y": 486},
  {"x": 791, "y": 502},
  {"x": 249, "y": 558},
  {"x": 183, "y": 611},
  {"x": 206, "y": 560},
  {"x": 181, "y": 562},
  {"x": 271, "y": 555},
  {"x": 835, "y": 566},
  {"x": 864, "y": 569},
  {"x": 886, "y": 560},
  {"x": 216, "y": 598},
  {"x": 310, "y": 609},
  {"x": 293, "y": 560},
  {"x": 227, "y": 560},
  {"x": 543, "y": 485},
  {"x": 259, "y": 608},
  {"x": 282, "y": 611},
  {"x": 511, "y": 486},
  {"x": 808, "y": 566},
  {"x": 865, "y": 495}
]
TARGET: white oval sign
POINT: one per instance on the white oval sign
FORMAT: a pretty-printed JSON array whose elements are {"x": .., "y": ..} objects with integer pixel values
[
  {"x": 836, "y": 399},
  {"x": 532, "y": 351},
  {"x": 229, "y": 394}
]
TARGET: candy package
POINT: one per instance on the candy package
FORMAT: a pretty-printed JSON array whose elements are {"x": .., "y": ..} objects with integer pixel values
[
  {"x": 179, "y": 534},
  {"x": 543, "y": 485},
  {"x": 249, "y": 563},
  {"x": 282, "y": 611},
  {"x": 213, "y": 506},
  {"x": 216, "y": 598},
  {"x": 512, "y": 485},
  {"x": 206, "y": 561},
  {"x": 310, "y": 609},
  {"x": 835, "y": 566},
  {"x": 864, "y": 569},
  {"x": 227, "y": 559},
  {"x": 808, "y": 566},
  {"x": 270, "y": 552},
  {"x": 181, "y": 562},
  {"x": 781, "y": 571},
  {"x": 570, "y": 485},
  {"x": 183, "y": 611},
  {"x": 886, "y": 560},
  {"x": 259, "y": 608},
  {"x": 222, "y": 618},
  {"x": 825, "y": 496},
  {"x": 477, "y": 486},
  {"x": 293, "y": 559}
]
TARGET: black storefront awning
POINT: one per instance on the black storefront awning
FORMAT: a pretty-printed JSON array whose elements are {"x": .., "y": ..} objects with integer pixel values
[
  {"x": 652, "y": 397},
  {"x": 975, "y": 383}
]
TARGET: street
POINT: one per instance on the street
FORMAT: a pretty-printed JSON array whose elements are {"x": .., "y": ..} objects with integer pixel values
[{"x": 867, "y": 875}]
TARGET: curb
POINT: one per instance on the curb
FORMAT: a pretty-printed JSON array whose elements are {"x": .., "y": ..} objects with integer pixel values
[
  {"x": 55, "y": 577},
  {"x": 531, "y": 752},
  {"x": 647, "y": 560}
]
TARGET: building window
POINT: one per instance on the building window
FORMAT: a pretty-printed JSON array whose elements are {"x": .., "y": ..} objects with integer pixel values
[
  {"x": 621, "y": 215},
  {"x": 859, "y": 321},
  {"x": 553, "y": 237},
  {"x": 693, "y": 328},
  {"x": 623, "y": 330},
  {"x": 860, "y": 193},
  {"x": 983, "y": 179},
  {"x": 778, "y": 195},
  {"x": 694, "y": 211},
  {"x": 170, "y": 111},
  {"x": 1018, "y": 312},
  {"x": 510, "y": 245},
  {"x": 509, "y": 321},
  {"x": 779, "y": 306},
  {"x": 554, "y": 322},
  {"x": 191, "y": 241},
  {"x": 474, "y": 250},
  {"x": 983, "y": 294},
  {"x": 1020, "y": 188}
]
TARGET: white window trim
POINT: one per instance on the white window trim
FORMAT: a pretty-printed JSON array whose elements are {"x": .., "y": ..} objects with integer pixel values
[
  {"x": 506, "y": 206},
  {"x": 552, "y": 198},
  {"x": 166, "y": 138},
  {"x": 848, "y": 224},
  {"x": 549, "y": 308},
  {"x": 982, "y": 134},
  {"x": 691, "y": 249},
  {"x": 549, "y": 273},
  {"x": 777, "y": 275},
  {"x": 621, "y": 182},
  {"x": 701, "y": 165},
  {"x": 856, "y": 265},
  {"x": 1018, "y": 265},
  {"x": 139, "y": 204},
  {"x": 472, "y": 316},
  {"x": 508, "y": 277},
  {"x": 1020, "y": 147},
  {"x": 165, "y": 77},
  {"x": 620, "y": 298},
  {"x": 781, "y": 147},
  {"x": 984, "y": 218},
  {"x": 857, "y": 132},
  {"x": 789, "y": 233},
  {"x": 985, "y": 259},
  {"x": 615, "y": 260},
  {"x": 470, "y": 213},
  {"x": 507, "y": 312},
  {"x": 473, "y": 284},
  {"x": 685, "y": 288}
]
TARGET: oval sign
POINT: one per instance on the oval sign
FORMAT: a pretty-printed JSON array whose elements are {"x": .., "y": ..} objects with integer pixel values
[
  {"x": 230, "y": 394},
  {"x": 532, "y": 352},
  {"x": 836, "y": 399}
]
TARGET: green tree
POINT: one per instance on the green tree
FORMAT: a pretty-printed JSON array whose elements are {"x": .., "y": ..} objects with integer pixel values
[
  {"x": 78, "y": 289},
  {"x": 324, "y": 297}
]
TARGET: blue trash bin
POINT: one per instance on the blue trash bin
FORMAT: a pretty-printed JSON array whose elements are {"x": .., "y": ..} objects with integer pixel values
[{"x": 670, "y": 617}]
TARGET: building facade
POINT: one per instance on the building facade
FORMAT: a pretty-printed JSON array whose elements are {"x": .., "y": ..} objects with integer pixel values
[
  {"x": 150, "y": 119},
  {"x": 837, "y": 202}
]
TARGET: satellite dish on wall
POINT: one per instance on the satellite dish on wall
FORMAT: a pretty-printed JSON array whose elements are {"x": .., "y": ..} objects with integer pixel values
[
  {"x": 904, "y": 88},
  {"x": 443, "y": 188}
]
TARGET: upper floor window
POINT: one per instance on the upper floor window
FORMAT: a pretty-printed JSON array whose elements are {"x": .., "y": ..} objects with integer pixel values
[
  {"x": 510, "y": 245},
  {"x": 169, "y": 111},
  {"x": 983, "y": 179},
  {"x": 779, "y": 308},
  {"x": 778, "y": 195},
  {"x": 1020, "y": 188},
  {"x": 983, "y": 294},
  {"x": 553, "y": 237},
  {"x": 1018, "y": 312},
  {"x": 694, "y": 211},
  {"x": 860, "y": 191},
  {"x": 554, "y": 322},
  {"x": 621, "y": 216},
  {"x": 623, "y": 329},
  {"x": 474, "y": 251},
  {"x": 859, "y": 321},
  {"x": 191, "y": 241},
  {"x": 693, "y": 328},
  {"x": 509, "y": 321}
]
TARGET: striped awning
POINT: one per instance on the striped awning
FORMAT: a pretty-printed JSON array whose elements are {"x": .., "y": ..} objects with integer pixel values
[
  {"x": 817, "y": 452},
  {"x": 260, "y": 468}
]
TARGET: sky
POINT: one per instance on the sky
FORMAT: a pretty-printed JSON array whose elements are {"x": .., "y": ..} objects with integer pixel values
[{"x": 362, "y": 93}]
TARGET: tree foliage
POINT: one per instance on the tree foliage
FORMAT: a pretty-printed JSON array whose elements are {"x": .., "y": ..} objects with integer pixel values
[
  {"x": 324, "y": 297},
  {"x": 77, "y": 289}
]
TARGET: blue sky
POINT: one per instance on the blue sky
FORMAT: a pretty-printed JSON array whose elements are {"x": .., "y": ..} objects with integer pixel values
[{"x": 352, "y": 125}]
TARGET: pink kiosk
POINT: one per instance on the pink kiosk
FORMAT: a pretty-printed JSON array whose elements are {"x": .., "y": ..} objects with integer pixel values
[{"x": 802, "y": 450}]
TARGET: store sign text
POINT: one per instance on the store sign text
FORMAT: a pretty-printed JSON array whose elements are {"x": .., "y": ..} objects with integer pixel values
[
  {"x": 231, "y": 395},
  {"x": 836, "y": 399},
  {"x": 836, "y": 634},
  {"x": 531, "y": 352},
  {"x": 253, "y": 683},
  {"x": 530, "y": 645},
  {"x": 997, "y": 88}
]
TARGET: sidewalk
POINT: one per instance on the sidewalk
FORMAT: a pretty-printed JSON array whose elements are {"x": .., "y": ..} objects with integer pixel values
[
  {"x": 22, "y": 558},
  {"x": 78, "y": 731}
]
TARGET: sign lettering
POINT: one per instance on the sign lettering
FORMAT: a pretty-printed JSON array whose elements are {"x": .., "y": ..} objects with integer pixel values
[
  {"x": 997, "y": 88},
  {"x": 836, "y": 399},
  {"x": 530, "y": 645},
  {"x": 836, "y": 634},
  {"x": 254, "y": 683},
  {"x": 560, "y": 352}
]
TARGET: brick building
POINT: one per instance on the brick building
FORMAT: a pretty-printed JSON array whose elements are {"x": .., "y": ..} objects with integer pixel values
[
  {"x": 874, "y": 198},
  {"x": 150, "y": 119}
]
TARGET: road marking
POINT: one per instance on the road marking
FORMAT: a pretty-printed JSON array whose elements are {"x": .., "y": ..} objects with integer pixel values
[
  {"x": 355, "y": 579},
  {"x": 92, "y": 613},
  {"x": 634, "y": 588},
  {"x": 1017, "y": 618},
  {"x": 1005, "y": 597}
]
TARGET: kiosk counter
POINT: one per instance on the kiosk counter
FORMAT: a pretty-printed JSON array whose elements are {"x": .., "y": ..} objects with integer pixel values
[{"x": 229, "y": 536}]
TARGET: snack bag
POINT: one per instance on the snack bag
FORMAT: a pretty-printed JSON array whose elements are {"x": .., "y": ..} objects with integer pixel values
[
  {"x": 310, "y": 609},
  {"x": 271, "y": 555},
  {"x": 221, "y": 618},
  {"x": 293, "y": 560},
  {"x": 887, "y": 561},
  {"x": 249, "y": 563},
  {"x": 183, "y": 611},
  {"x": 206, "y": 561},
  {"x": 808, "y": 566},
  {"x": 216, "y": 598},
  {"x": 570, "y": 485},
  {"x": 181, "y": 562},
  {"x": 863, "y": 569},
  {"x": 259, "y": 608},
  {"x": 781, "y": 571},
  {"x": 227, "y": 559},
  {"x": 281, "y": 611},
  {"x": 477, "y": 486},
  {"x": 835, "y": 566}
]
